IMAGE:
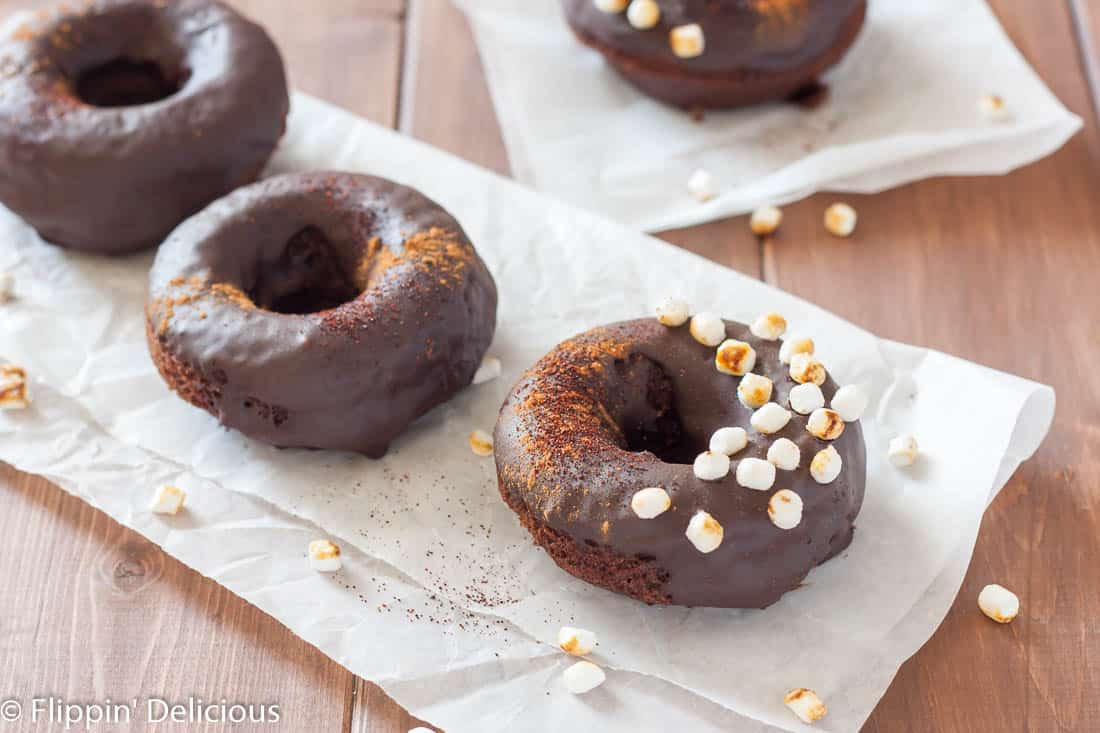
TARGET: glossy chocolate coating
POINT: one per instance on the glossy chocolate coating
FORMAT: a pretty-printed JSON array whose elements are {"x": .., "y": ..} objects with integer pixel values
[
  {"x": 628, "y": 406},
  {"x": 247, "y": 315},
  {"x": 95, "y": 156},
  {"x": 755, "y": 49}
]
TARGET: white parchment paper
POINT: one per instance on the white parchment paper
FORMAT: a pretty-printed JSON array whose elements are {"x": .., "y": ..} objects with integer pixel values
[
  {"x": 903, "y": 105},
  {"x": 443, "y": 600}
]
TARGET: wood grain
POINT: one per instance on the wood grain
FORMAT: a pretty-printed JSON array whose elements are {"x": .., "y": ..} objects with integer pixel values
[
  {"x": 996, "y": 270},
  {"x": 1001, "y": 271}
]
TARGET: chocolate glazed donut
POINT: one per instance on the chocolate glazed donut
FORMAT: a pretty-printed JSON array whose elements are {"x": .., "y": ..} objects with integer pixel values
[
  {"x": 752, "y": 50},
  {"x": 121, "y": 119},
  {"x": 320, "y": 310},
  {"x": 629, "y": 406}
]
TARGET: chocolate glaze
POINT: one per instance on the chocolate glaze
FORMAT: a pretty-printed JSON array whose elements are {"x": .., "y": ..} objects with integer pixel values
[
  {"x": 756, "y": 50},
  {"x": 321, "y": 310},
  {"x": 627, "y": 406},
  {"x": 121, "y": 118}
]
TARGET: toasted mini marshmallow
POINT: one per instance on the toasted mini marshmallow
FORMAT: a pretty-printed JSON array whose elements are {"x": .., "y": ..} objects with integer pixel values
[
  {"x": 324, "y": 556},
  {"x": 168, "y": 500},
  {"x": 825, "y": 424},
  {"x": 687, "y": 41},
  {"x": 703, "y": 185},
  {"x": 993, "y": 107},
  {"x": 849, "y": 402},
  {"x": 765, "y": 221},
  {"x": 13, "y": 388},
  {"x": 785, "y": 509},
  {"x": 578, "y": 642},
  {"x": 903, "y": 451},
  {"x": 805, "y": 704},
  {"x": 583, "y": 676},
  {"x": 729, "y": 441},
  {"x": 769, "y": 326},
  {"x": 611, "y": 6},
  {"x": 826, "y": 465},
  {"x": 481, "y": 443},
  {"x": 705, "y": 532},
  {"x": 7, "y": 286},
  {"x": 674, "y": 312},
  {"x": 999, "y": 603},
  {"x": 792, "y": 346},
  {"x": 840, "y": 220},
  {"x": 771, "y": 418},
  {"x": 754, "y": 391},
  {"x": 651, "y": 502},
  {"x": 489, "y": 370},
  {"x": 805, "y": 368},
  {"x": 643, "y": 14},
  {"x": 707, "y": 328},
  {"x": 784, "y": 454},
  {"x": 735, "y": 357},
  {"x": 756, "y": 474},
  {"x": 805, "y": 398},
  {"x": 711, "y": 466}
]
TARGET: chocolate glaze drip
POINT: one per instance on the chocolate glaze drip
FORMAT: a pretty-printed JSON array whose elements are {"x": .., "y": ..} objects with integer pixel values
[
  {"x": 322, "y": 310},
  {"x": 628, "y": 406},
  {"x": 121, "y": 118},
  {"x": 756, "y": 50}
]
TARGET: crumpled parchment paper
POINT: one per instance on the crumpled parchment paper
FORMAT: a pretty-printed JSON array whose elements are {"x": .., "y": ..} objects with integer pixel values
[{"x": 443, "y": 599}]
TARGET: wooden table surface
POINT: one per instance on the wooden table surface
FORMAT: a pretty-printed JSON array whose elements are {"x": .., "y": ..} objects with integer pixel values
[{"x": 1001, "y": 270}]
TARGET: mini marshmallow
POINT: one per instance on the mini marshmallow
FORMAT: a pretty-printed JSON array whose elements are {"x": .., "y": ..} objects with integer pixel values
[
  {"x": 324, "y": 556},
  {"x": 840, "y": 220},
  {"x": 805, "y": 398},
  {"x": 7, "y": 286},
  {"x": 754, "y": 390},
  {"x": 584, "y": 676},
  {"x": 769, "y": 326},
  {"x": 488, "y": 371},
  {"x": 999, "y": 603},
  {"x": 729, "y": 440},
  {"x": 707, "y": 328},
  {"x": 674, "y": 312},
  {"x": 765, "y": 221},
  {"x": 650, "y": 503},
  {"x": 903, "y": 451},
  {"x": 13, "y": 388},
  {"x": 703, "y": 185},
  {"x": 421, "y": 729},
  {"x": 756, "y": 474},
  {"x": 687, "y": 41},
  {"x": 849, "y": 402},
  {"x": 705, "y": 532},
  {"x": 481, "y": 443},
  {"x": 578, "y": 642},
  {"x": 793, "y": 346},
  {"x": 611, "y": 6},
  {"x": 771, "y": 418},
  {"x": 785, "y": 509},
  {"x": 643, "y": 14},
  {"x": 826, "y": 465},
  {"x": 825, "y": 424},
  {"x": 784, "y": 454},
  {"x": 993, "y": 107},
  {"x": 805, "y": 368},
  {"x": 805, "y": 704},
  {"x": 735, "y": 357},
  {"x": 168, "y": 500},
  {"x": 711, "y": 466}
]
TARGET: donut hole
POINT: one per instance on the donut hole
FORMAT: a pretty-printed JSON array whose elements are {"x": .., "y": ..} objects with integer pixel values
[
  {"x": 647, "y": 416},
  {"x": 307, "y": 276},
  {"x": 125, "y": 82}
]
